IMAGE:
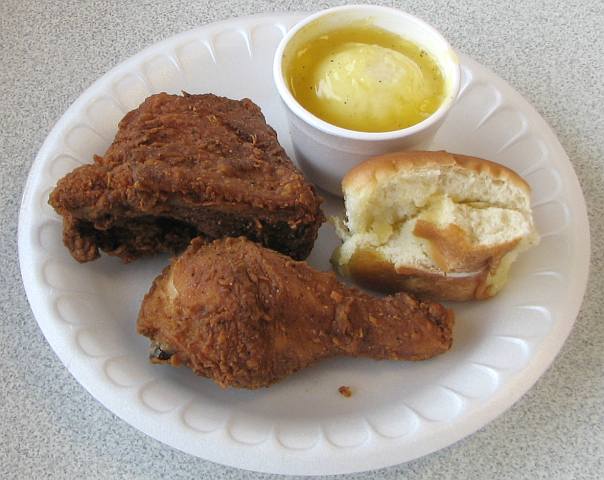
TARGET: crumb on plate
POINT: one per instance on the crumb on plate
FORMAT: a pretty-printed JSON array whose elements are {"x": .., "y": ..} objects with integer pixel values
[{"x": 345, "y": 391}]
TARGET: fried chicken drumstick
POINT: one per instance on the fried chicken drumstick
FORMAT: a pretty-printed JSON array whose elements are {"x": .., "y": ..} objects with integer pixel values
[
  {"x": 246, "y": 316},
  {"x": 182, "y": 166}
]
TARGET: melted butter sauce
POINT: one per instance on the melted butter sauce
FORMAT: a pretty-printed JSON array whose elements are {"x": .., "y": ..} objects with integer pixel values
[{"x": 364, "y": 78}]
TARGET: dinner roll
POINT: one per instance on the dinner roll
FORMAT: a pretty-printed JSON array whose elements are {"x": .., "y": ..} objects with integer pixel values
[{"x": 441, "y": 225}]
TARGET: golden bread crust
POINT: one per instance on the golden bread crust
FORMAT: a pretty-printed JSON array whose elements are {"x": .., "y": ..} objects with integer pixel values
[
  {"x": 452, "y": 251},
  {"x": 370, "y": 270},
  {"x": 375, "y": 168}
]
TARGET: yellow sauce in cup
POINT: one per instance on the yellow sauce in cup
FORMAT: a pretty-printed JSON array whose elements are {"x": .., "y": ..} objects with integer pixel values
[{"x": 365, "y": 78}]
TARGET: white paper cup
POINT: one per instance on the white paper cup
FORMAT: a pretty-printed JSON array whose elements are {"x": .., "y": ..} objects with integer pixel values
[{"x": 326, "y": 152}]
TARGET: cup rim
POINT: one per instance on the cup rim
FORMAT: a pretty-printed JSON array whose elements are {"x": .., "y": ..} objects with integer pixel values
[{"x": 331, "y": 129}]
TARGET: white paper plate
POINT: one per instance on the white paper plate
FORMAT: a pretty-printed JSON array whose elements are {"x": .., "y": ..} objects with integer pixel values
[{"x": 399, "y": 411}]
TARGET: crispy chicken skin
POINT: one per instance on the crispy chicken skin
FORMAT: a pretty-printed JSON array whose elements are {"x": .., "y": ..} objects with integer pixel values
[
  {"x": 182, "y": 166},
  {"x": 246, "y": 316}
]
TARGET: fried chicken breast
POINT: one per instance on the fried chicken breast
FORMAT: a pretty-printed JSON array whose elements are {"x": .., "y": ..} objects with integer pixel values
[
  {"x": 182, "y": 166},
  {"x": 246, "y": 316}
]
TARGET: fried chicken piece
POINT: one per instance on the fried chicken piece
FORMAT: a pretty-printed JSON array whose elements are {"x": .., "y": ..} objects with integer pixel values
[
  {"x": 182, "y": 166},
  {"x": 246, "y": 316}
]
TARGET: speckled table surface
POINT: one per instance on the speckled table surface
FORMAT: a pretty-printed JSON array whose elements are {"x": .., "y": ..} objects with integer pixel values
[{"x": 550, "y": 51}]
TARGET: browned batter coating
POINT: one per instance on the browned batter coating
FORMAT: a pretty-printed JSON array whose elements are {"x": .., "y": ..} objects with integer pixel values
[
  {"x": 246, "y": 316},
  {"x": 182, "y": 166}
]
